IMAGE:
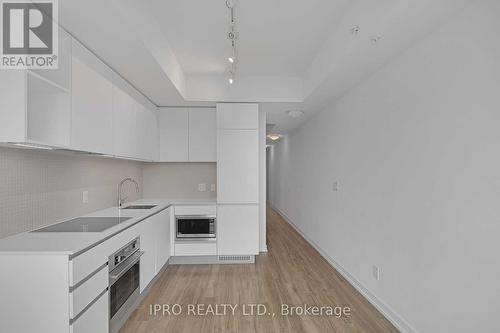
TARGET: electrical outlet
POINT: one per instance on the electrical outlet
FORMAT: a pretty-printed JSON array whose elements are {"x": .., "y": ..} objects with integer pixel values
[
  {"x": 85, "y": 197},
  {"x": 376, "y": 272},
  {"x": 335, "y": 186},
  {"x": 212, "y": 188},
  {"x": 202, "y": 187}
]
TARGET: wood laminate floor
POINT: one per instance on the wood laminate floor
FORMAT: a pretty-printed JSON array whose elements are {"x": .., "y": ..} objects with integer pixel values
[{"x": 292, "y": 273}]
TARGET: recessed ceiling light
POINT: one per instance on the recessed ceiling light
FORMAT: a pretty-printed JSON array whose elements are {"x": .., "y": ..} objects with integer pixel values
[
  {"x": 231, "y": 60},
  {"x": 295, "y": 113},
  {"x": 274, "y": 137},
  {"x": 231, "y": 80}
]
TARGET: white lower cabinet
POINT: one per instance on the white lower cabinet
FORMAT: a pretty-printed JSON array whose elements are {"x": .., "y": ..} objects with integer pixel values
[
  {"x": 195, "y": 249},
  {"x": 155, "y": 243},
  {"x": 95, "y": 319},
  {"x": 238, "y": 229},
  {"x": 87, "y": 292},
  {"x": 70, "y": 294},
  {"x": 148, "y": 246},
  {"x": 162, "y": 221}
]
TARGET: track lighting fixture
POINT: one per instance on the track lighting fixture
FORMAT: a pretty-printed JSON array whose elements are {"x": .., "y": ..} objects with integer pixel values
[
  {"x": 274, "y": 137},
  {"x": 232, "y": 35}
]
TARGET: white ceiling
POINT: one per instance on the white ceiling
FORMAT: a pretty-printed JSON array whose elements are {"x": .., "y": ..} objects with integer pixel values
[
  {"x": 292, "y": 54},
  {"x": 278, "y": 37}
]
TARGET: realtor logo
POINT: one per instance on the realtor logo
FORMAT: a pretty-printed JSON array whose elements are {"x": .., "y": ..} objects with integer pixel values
[{"x": 29, "y": 34}]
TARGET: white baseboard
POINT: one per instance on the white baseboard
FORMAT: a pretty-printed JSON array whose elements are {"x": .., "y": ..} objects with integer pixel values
[{"x": 401, "y": 324}]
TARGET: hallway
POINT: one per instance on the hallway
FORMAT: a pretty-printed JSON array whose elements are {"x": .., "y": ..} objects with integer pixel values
[{"x": 292, "y": 273}]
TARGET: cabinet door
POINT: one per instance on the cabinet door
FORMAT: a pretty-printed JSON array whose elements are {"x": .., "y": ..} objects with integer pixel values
[
  {"x": 95, "y": 319},
  {"x": 62, "y": 75},
  {"x": 148, "y": 245},
  {"x": 162, "y": 238},
  {"x": 92, "y": 103},
  {"x": 153, "y": 135},
  {"x": 146, "y": 127},
  {"x": 202, "y": 135},
  {"x": 237, "y": 166},
  {"x": 49, "y": 99},
  {"x": 123, "y": 123},
  {"x": 173, "y": 135},
  {"x": 237, "y": 229}
]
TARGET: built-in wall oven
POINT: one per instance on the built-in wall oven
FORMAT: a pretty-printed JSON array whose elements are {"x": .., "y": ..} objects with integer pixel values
[
  {"x": 195, "y": 227},
  {"x": 124, "y": 270}
]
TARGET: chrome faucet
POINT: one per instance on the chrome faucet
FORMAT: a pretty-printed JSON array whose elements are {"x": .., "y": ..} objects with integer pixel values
[{"x": 120, "y": 199}]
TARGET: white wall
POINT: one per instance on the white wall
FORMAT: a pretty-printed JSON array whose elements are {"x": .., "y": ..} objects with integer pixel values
[
  {"x": 178, "y": 180},
  {"x": 416, "y": 150}
]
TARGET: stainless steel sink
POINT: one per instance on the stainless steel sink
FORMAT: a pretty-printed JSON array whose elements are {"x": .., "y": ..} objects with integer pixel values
[{"x": 140, "y": 207}]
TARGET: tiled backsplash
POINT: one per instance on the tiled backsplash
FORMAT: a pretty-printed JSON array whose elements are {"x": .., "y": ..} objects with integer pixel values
[{"x": 39, "y": 188}]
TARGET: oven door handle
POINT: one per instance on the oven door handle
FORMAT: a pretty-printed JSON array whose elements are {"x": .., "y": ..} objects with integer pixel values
[{"x": 129, "y": 262}]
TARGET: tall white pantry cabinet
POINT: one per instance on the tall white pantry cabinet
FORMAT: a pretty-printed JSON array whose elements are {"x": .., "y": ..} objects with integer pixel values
[{"x": 237, "y": 179}]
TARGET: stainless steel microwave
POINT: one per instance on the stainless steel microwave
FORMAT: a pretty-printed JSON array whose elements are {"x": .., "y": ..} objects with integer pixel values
[{"x": 195, "y": 226}]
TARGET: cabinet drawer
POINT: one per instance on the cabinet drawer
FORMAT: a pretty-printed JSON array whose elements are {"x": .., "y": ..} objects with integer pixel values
[
  {"x": 196, "y": 249},
  {"x": 195, "y": 210},
  {"x": 95, "y": 319},
  {"x": 85, "y": 293},
  {"x": 87, "y": 262}
]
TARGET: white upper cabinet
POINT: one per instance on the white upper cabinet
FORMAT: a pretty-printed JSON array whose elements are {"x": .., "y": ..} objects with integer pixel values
[
  {"x": 202, "y": 135},
  {"x": 174, "y": 134},
  {"x": 237, "y": 153},
  {"x": 135, "y": 127},
  {"x": 237, "y": 166},
  {"x": 187, "y": 135},
  {"x": 83, "y": 105},
  {"x": 123, "y": 123},
  {"x": 35, "y": 106},
  {"x": 62, "y": 75},
  {"x": 92, "y": 103},
  {"x": 237, "y": 116}
]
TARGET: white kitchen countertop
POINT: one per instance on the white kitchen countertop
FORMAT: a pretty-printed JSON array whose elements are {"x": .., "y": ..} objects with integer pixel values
[{"x": 69, "y": 243}]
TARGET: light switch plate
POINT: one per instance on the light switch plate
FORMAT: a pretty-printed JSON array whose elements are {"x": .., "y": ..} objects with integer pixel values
[
  {"x": 85, "y": 197},
  {"x": 212, "y": 188},
  {"x": 202, "y": 187},
  {"x": 335, "y": 186},
  {"x": 376, "y": 272}
]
